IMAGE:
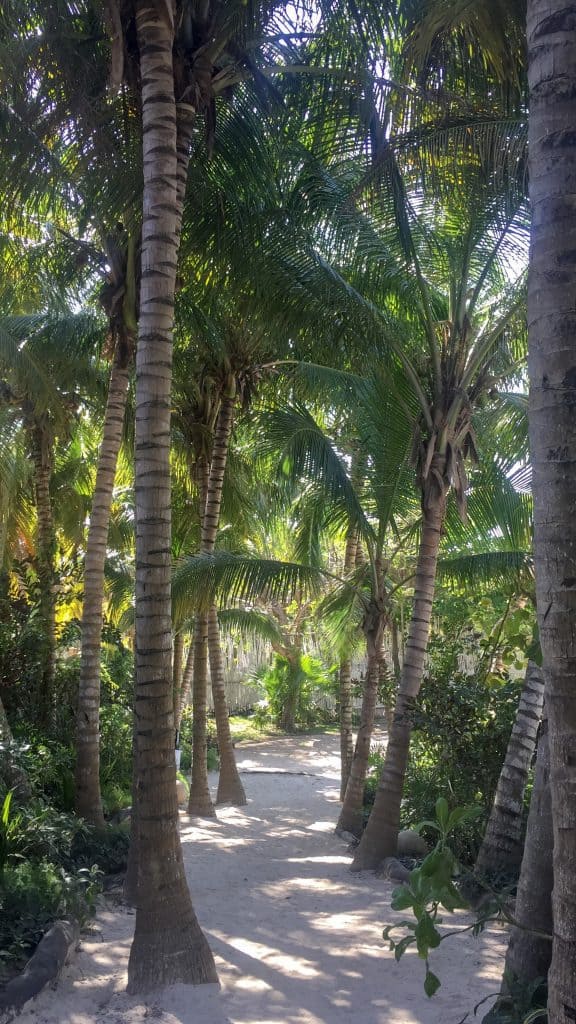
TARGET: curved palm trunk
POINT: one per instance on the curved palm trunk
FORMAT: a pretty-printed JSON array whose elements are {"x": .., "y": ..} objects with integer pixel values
[
  {"x": 88, "y": 797},
  {"x": 230, "y": 788},
  {"x": 380, "y": 838},
  {"x": 552, "y": 371},
  {"x": 200, "y": 802},
  {"x": 345, "y": 686},
  {"x": 351, "y": 816},
  {"x": 41, "y": 444},
  {"x": 177, "y": 675},
  {"x": 186, "y": 684},
  {"x": 168, "y": 945},
  {"x": 346, "y": 734},
  {"x": 502, "y": 846},
  {"x": 529, "y": 951}
]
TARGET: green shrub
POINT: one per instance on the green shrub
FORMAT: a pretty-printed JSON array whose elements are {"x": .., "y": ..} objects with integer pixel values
[
  {"x": 461, "y": 731},
  {"x": 32, "y": 896},
  {"x": 116, "y": 728},
  {"x": 107, "y": 849}
]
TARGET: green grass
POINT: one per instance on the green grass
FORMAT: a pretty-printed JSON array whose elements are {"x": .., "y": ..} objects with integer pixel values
[{"x": 245, "y": 730}]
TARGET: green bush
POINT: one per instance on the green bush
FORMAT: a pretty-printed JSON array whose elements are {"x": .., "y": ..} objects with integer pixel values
[
  {"x": 461, "y": 727},
  {"x": 302, "y": 685},
  {"x": 116, "y": 728},
  {"x": 32, "y": 896}
]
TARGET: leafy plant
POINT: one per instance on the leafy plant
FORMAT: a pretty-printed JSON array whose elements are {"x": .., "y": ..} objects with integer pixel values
[{"x": 429, "y": 888}]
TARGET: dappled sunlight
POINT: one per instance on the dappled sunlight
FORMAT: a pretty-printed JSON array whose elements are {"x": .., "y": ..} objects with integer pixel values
[{"x": 297, "y": 938}]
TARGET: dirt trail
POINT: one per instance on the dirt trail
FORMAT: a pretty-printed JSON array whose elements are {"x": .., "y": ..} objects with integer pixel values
[{"x": 297, "y": 938}]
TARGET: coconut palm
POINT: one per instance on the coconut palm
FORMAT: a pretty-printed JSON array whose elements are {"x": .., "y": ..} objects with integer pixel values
[
  {"x": 552, "y": 395},
  {"x": 469, "y": 347},
  {"x": 44, "y": 367}
]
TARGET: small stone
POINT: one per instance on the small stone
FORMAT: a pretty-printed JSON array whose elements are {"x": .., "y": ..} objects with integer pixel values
[
  {"x": 411, "y": 844},
  {"x": 181, "y": 793},
  {"x": 392, "y": 868}
]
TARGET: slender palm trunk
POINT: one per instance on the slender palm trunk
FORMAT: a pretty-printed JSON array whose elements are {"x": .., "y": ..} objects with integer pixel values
[
  {"x": 186, "y": 684},
  {"x": 200, "y": 802},
  {"x": 351, "y": 815},
  {"x": 168, "y": 945},
  {"x": 345, "y": 681},
  {"x": 41, "y": 444},
  {"x": 88, "y": 797},
  {"x": 502, "y": 846},
  {"x": 530, "y": 946},
  {"x": 552, "y": 372},
  {"x": 380, "y": 838},
  {"x": 177, "y": 674},
  {"x": 230, "y": 788}
]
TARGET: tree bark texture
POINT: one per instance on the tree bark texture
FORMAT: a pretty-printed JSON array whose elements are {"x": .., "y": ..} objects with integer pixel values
[
  {"x": 351, "y": 815},
  {"x": 380, "y": 838},
  {"x": 502, "y": 846},
  {"x": 88, "y": 797},
  {"x": 230, "y": 788},
  {"x": 168, "y": 945},
  {"x": 41, "y": 443},
  {"x": 345, "y": 688},
  {"x": 200, "y": 802},
  {"x": 552, "y": 417},
  {"x": 177, "y": 674},
  {"x": 186, "y": 683},
  {"x": 529, "y": 952}
]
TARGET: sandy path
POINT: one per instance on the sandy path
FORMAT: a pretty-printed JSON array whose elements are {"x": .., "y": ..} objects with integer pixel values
[{"x": 296, "y": 936}]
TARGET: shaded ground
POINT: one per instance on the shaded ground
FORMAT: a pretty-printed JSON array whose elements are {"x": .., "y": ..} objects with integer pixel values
[{"x": 297, "y": 937}]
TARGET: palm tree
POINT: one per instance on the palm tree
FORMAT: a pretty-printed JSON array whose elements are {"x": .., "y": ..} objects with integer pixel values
[
  {"x": 468, "y": 348},
  {"x": 552, "y": 397},
  {"x": 44, "y": 369},
  {"x": 122, "y": 324},
  {"x": 502, "y": 845},
  {"x": 530, "y": 947}
]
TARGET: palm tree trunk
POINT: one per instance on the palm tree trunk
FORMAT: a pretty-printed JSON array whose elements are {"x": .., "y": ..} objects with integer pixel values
[
  {"x": 529, "y": 951},
  {"x": 186, "y": 683},
  {"x": 161, "y": 953},
  {"x": 502, "y": 846},
  {"x": 88, "y": 797},
  {"x": 200, "y": 802},
  {"x": 380, "y": 838},
  {"x": 345, "y": 680},
  {"x": 346, "y": 734},
  {"x": 41, "y": 444},
  {"x": 177, "y": 674},
  {"x": 552, "y": 372},
  {"x": 351, "y": 816},
  {"x": 230, "y": 788}
]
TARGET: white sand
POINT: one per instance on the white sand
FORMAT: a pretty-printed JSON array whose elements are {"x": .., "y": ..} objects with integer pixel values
[{"x": 297, "y": 937}]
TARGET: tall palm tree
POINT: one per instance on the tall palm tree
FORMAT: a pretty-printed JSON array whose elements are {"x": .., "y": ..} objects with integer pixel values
[
  {"x": 469, "y": 346},
  {"x": 43, "y": 370},
  {"x": 552, "y": 374}
]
